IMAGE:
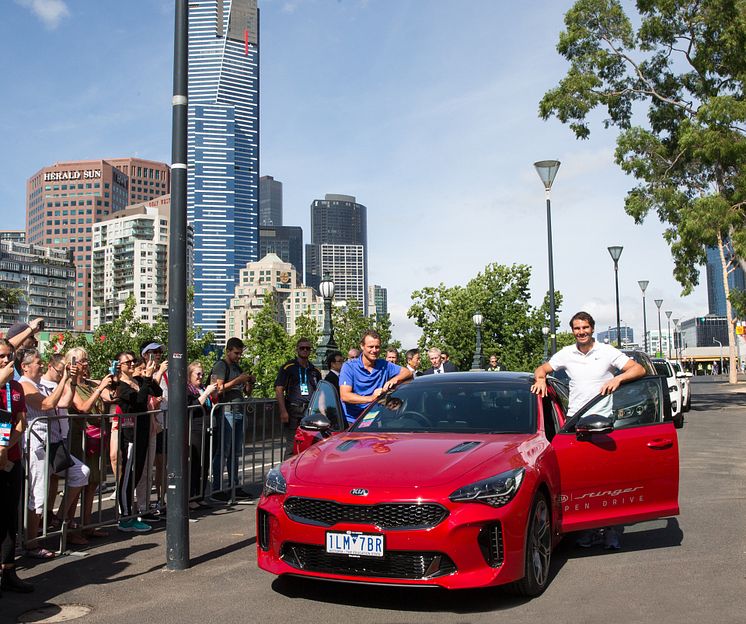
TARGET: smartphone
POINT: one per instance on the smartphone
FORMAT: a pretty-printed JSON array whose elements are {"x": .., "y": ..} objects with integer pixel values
[
  {"x": 40, "y": 326},
  {"x": 73, "y": 360},
  {"x": 113, "y": 367},
  {"x": 151, "y": 357}
]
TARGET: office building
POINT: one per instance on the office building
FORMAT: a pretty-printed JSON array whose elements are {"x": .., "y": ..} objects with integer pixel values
[
  {"x": 17, "y": 236},
  {"x": 628, "y": 335},
  {"x": 131, "y": 259},
  {"x": 285, "y": 241},
  {"x": 702, "y": 331},
  {"x": 339, "y": 239},
  {"x": 292, "y": 299},
  {"x": 270, "y": 202},
  {"x": 715, "y": 287},
  {"x": 223, "y": 145},
  {"x": 146, "y": 179},
  {"x": 46, "y": 278},
  {"x": 377, "y": 301}
]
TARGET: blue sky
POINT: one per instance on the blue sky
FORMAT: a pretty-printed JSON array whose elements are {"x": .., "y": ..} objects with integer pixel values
[{"x": 424, "y": 110}]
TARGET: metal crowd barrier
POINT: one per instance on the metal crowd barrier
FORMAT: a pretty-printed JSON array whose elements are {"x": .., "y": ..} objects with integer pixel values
[{"x": 261, "y": 436}]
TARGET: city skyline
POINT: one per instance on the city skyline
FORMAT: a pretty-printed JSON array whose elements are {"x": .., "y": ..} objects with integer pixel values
[{"x": 426, "y": 114}]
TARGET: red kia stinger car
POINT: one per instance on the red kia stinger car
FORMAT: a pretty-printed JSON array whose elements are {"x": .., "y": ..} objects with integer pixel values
[{"x": 464, "y": 480}]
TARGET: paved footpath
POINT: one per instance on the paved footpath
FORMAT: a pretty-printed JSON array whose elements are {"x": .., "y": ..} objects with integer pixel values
[{"x": 680, "y": 570}]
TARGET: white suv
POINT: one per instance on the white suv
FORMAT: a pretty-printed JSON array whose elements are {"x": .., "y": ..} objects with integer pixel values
[
  {"x": 686, "y": 390},
  {"x": 665, "y": 369}
]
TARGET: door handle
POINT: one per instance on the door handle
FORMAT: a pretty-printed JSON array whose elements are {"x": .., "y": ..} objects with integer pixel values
[{"x": 660, "y": 443}]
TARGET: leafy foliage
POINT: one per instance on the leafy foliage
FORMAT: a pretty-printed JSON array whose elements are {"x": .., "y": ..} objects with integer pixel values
[
  {"x": 684, "y": 66},
  {"x": 268, "y": 346},
  {"x": 511, "y": 327},
  {"x": 10, "y": 297}
]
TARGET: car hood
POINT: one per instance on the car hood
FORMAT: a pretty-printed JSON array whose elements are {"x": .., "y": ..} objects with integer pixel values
[{"x": 405, "y": 459}]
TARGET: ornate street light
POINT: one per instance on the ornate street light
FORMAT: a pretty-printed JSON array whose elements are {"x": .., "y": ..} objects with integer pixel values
[
  {"x": 326, "y": 343},
  {"x": 659, "y": 303},
  {"x": 643, "y": 285},
  {"x": 476, "y": 363},
  {"x": 615, "y": 252},
  {"x": 547, "y": 170},
  {"x": 668, "y": 316}
]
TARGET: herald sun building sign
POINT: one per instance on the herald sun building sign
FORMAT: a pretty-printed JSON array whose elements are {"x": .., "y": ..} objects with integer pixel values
[{"x": 80, "y": 174}]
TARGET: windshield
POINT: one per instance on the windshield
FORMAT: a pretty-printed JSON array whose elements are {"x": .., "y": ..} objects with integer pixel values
[{"x": 468, "y": 407}]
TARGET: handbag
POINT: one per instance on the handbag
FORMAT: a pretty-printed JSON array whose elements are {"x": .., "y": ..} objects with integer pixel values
[{"x": 60, "y": 458}]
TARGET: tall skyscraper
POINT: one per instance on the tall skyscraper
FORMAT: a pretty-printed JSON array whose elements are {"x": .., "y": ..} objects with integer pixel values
[
  {"x": 223, "y": 176},
  {"x": 286, "y": 241},
  {"x": 715, "y": 288},
  {"x": 339, "y": 242},
  {"x": 270, "y": 202},
  {"x": 64, "y": 200},
  {"x": 377, "y": 301}
]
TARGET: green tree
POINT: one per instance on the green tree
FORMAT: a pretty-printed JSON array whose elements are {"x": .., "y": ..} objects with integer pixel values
[
  {"x": 349, "y": 325},
  {"x": 10, "y": 298},
  {"x": 306, "y": 327},
  {"x": 681, "y": 64},
  {"x": 511, "y": 327},
  {"x": 268, "y": 347}
]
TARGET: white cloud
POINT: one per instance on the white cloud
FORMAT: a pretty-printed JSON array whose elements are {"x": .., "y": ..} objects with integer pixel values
[{"x": 50, "y": 12}]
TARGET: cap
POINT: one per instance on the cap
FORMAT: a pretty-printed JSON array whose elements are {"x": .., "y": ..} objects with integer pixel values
[
  {"x": 153, "y": 346},
  {"x": 15, "y": 329}
]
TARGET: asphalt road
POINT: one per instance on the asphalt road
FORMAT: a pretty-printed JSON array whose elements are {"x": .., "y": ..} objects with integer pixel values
[{"x": 686, "y": 569}]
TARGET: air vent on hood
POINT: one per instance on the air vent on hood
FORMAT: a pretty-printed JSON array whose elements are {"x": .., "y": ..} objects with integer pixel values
[
  {"x": 464, "y": 446},
  {"x": 346, "y": 445}
]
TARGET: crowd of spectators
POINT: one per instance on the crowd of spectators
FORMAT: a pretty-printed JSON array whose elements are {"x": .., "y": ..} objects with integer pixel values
[{"x": 57, "y": 422}]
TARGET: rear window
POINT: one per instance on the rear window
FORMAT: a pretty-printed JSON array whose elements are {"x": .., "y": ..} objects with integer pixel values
[
  {"x": 661, "y": 368},
  {"x": 475, "y": 407}
]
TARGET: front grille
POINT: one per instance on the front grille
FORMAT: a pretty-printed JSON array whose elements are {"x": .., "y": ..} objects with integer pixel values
[
  {"x": 262, "y": 529},
  {"x": 395, "y": 564},
  {"x": 491, "y": 544},
  {"x": 383, "y": 515}
]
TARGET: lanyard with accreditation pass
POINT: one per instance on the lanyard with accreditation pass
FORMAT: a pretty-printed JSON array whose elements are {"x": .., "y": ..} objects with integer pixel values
[{"x": 6, "y": 426}]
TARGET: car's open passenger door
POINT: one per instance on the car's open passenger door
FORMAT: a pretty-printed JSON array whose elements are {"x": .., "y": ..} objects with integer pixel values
[{"x": 618, "y": 460}]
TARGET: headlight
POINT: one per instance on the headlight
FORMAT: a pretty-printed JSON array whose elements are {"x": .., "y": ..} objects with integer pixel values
[
  {"x": 274, "y": 483},
  {"x": 495, "y": 491}
]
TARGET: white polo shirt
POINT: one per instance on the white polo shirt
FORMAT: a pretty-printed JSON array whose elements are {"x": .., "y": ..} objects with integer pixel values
[{"x": 587, "y": 371}]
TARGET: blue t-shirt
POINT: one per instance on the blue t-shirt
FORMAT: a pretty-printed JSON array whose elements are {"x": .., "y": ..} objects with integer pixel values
[{"x": 363, "y": 382}]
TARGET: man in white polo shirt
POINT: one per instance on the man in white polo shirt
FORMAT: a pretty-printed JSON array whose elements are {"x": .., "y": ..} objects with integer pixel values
[{"x": 590, "y": 365}]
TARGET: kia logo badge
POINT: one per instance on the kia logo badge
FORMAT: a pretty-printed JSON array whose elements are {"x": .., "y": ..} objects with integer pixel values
[{"x": 359, "y": 492}]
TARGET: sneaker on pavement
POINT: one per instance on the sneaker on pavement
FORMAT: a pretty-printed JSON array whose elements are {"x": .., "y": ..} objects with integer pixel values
[
  {"x": 152, "y": 516},
  {"x": 611, "y": 540},
  {"x": 125, "y": 526},
  {"x": 588, "y": 539},
  {"x": 138, "y": 526}
]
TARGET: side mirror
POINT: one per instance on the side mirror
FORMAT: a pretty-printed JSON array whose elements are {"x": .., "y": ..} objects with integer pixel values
[
  {"x": 593, "y": 424},
  {"x": 315, "y": 422}
]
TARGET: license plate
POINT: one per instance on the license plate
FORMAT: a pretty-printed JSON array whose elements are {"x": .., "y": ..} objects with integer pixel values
[{"x": 355, "y": 544}]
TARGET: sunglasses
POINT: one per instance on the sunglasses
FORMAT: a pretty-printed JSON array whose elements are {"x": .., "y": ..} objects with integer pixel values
[
  {"x": 199, "y": 374},
  {"x": 304, "y": 348},
  {"x": 127, "y": 362}
]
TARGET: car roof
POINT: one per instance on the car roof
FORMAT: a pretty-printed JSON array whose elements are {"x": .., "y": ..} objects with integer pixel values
[
  {"x": 641, "y": 358},
  {"x": 476, "y": 376}
]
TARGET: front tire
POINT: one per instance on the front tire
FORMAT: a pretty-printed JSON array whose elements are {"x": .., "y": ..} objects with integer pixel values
[{"x": 538, "y": 555}]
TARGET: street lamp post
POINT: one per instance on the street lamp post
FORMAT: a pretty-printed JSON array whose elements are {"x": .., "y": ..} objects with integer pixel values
[
  {"x": 616, "y": 251},
  {"x": 326, "y": 343},
  {"x": 668, "y": 316},
  {"x": 545, "y": 333},
  {"x": 643, "y": 285},
  {"x": 547, "y": 170},
  {"x": 677, "y": 344},
  {"x": 721, "y": 353},
  {"x": 476, "y": 363},
  {"x": 659, "y": 303}
]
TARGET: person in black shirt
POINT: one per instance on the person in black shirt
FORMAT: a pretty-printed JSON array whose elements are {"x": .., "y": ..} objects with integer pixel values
[
  {"x": 295, "y": 383},
  {"x": 334, "y": 363},
  {"x": 134, "y": 432}
]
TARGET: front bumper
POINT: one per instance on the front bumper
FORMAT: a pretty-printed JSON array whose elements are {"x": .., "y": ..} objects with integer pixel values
[{"x": 474, "y": 546}]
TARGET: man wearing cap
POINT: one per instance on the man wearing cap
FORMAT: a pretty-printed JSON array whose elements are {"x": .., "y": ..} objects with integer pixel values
[
  {"x": 156, "y": 447},
  {"x": 23, "y": 335}
]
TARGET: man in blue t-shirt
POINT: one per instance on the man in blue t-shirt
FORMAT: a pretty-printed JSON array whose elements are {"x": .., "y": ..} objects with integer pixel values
[{"x": 363, "y": 379}]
